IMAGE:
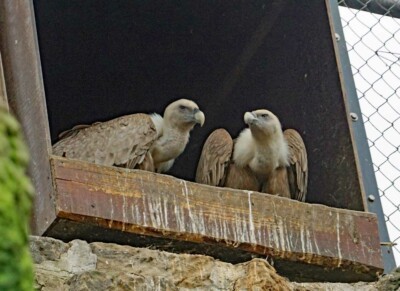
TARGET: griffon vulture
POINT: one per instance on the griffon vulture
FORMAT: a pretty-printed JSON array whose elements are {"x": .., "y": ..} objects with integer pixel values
[
  {"x": 262, "y": 158},
  {"x": 141, "y": 141}
]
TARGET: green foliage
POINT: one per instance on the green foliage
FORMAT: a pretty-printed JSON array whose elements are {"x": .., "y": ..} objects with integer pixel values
[{"x": 16, "y": 193}]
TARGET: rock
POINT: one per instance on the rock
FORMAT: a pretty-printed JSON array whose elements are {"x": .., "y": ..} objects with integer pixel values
[
  {"x": 43, "y": 249},
  {"x": 100, "y": 266},
  {"x": 260, "y": 276},
  {"x": 153, "y": 268},
  {"x": 79, "y": 258},
  {"x": 56, "y": 262},
  {"x": 390, "y": 282},
  {"x": 361, "y": 286}
]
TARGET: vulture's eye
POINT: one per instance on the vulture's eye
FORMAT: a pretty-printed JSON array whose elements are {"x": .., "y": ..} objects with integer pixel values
[
  {"x": 182, "y": 107},
  {"x": 264, "y": 115}
]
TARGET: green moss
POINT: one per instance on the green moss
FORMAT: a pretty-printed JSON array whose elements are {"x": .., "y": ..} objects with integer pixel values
[{"x": 16, "y": 193}]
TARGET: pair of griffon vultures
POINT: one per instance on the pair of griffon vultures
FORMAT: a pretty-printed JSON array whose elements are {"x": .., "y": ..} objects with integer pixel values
[{"x": 262, "y": 158}]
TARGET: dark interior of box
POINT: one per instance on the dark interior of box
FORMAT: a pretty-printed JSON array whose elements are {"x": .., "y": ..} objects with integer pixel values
[{"x": 102, "y": 59}]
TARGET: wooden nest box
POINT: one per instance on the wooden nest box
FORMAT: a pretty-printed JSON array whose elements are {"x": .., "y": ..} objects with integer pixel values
[{"x": 103, "y": 59}]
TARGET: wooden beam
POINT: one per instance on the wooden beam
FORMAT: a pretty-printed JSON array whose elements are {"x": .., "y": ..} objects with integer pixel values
[
  {"x": 156, "y": 205},
  {"x": 3, "y": 92},
  {"x": 25, "y": 91}
]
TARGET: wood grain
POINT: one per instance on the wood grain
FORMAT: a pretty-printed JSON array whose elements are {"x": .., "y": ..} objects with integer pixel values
[
  {"x": 163, "y": 206},
  {"x": 3, "y": 92},
  {"x": 26, "y": 99}
]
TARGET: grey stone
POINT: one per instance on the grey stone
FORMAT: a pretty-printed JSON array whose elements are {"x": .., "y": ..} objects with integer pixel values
[
  {"x": 390, "y": 282},
  {"x": 79, "y": 258},
  {"x": 79, "y": 266},
  {"x": 43, "y": 249}
]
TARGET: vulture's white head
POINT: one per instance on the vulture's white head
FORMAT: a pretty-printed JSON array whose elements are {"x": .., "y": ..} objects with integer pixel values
[
  {"x": 262, "y": 123},
  {"x": 184, "y": 114}
]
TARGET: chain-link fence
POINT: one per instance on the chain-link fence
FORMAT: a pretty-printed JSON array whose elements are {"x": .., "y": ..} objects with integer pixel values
[{"x": 372, "y": 32}]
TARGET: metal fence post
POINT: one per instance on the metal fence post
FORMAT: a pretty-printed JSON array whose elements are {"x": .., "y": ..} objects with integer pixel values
[{"x": 373, "y": 201}]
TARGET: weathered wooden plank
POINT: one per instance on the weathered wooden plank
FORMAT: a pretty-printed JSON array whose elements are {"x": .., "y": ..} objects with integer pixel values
[
  {"x": 160, "y": 205},
  {"x": 3, "y": 92},
  {"x": 25, "y": 91}
]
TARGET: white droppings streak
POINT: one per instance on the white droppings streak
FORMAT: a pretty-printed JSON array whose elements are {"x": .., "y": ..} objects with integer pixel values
[
  {"x": 259, "y": 234},
  {"x": 235, "y": 235},
  {"x": 338, "y": 239},
  {"x": 310, "y": 248},
  {"x": 165, "y": 204},
  {"x": 221, "y": 227},
  {"x": 215, "y": 230},
  {"x": 302, "y": 239},
  {"x": 138, "y": 218},
  {"x": 316, "y": 244},
  {"x": 133, "y": 213},
  {"x": 186, "y": 189},
  {"x": 112, "y": 213},
  {"x": 151, "y": 214},
  {"x": 252, "y": 236},
  {"x": 281, "y": 234},
  {"x": 154, "y": 214},
  {"x": 123, "y": 212},
  {"x": 265, "y": 233},
  {"x": 180, "y": 218},
  {"x": 275, "y": 236},
  {"x": 243, "y": 230},
  {"x": 224, "y": 230},
  {"x": 144, "y": 214},
  {"x": 192, "y": 219},
  {"x": 202, "y": 227},
  {"x": 363, "y": 247},
  {"x": 288, "y": 237},
  {"x": 159, "y": 212}
]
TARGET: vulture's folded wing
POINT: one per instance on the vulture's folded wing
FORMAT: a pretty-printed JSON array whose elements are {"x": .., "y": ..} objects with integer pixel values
[
  {"x": 123, "y": 141},
  {"x": 241, "y": 178},
  {"x": 298, "y": 168},
  {"x": 277, "y": 183},
  {"x": 73, "y": 131},
  {"x": 214, "y": 159}
]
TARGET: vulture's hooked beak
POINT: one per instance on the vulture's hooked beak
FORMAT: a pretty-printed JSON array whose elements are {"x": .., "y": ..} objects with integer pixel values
[
  {"x": 250, "y": 118},
  {"x": 198, "y": 116}
]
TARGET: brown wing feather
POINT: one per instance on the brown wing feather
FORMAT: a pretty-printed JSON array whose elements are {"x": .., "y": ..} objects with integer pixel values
[
  {"x": 277, "y": 183},
  {"x": 298, "y": 168},
  {"x": 146, "y": 165},
  {"x": 241, "y": 178},
  {"x": 214, "y": 159},
  {"x": 73, "y": 131},
  {"x": 123, "y": 141}
]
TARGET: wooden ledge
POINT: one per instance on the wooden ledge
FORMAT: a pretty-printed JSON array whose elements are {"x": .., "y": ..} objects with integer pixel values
[{"x": 307, "y": 241}]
